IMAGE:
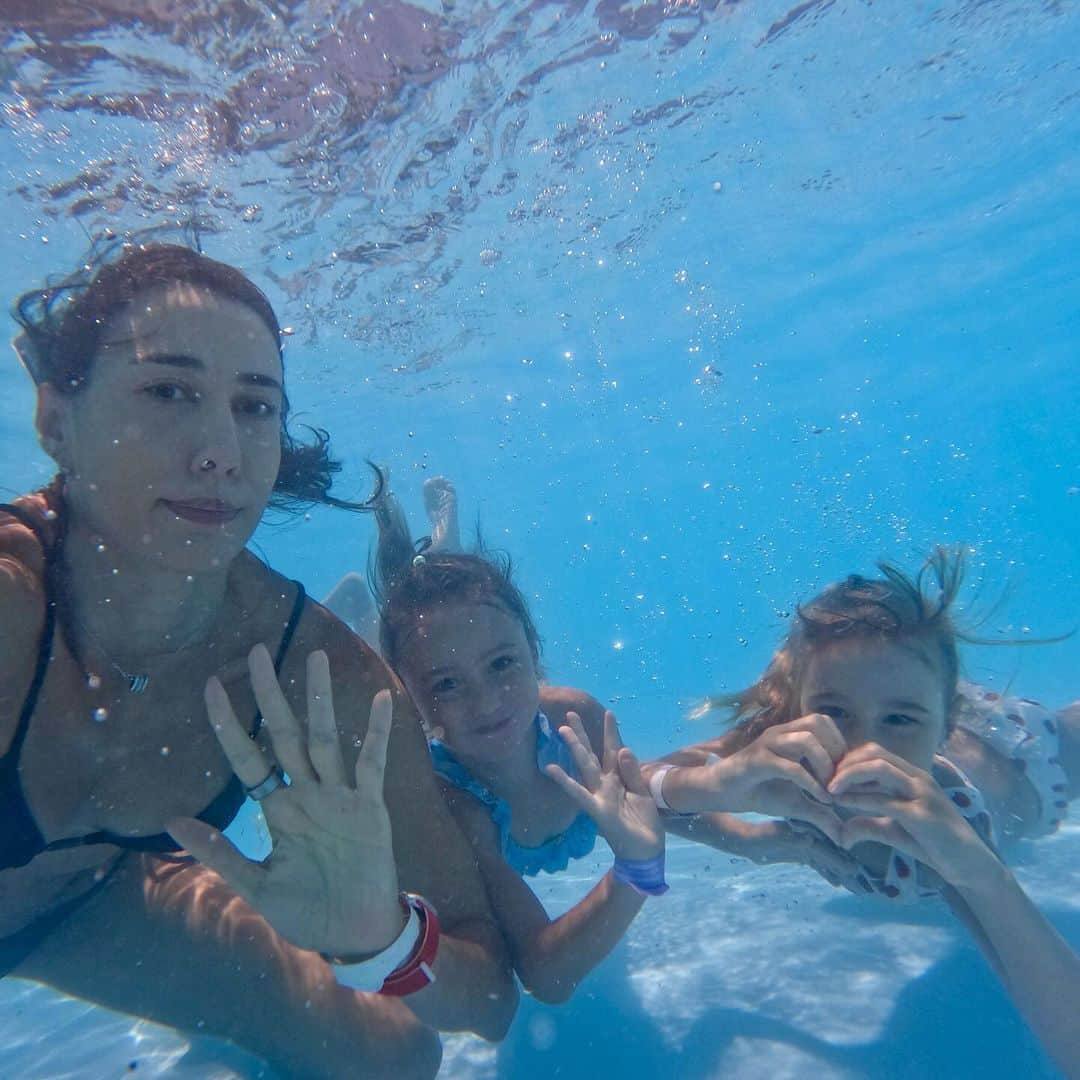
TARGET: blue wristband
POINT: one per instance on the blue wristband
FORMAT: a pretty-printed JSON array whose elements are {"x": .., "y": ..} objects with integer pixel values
[{"x": 644, "y": 876}]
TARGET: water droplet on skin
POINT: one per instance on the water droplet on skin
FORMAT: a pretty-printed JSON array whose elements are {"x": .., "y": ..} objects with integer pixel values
[{"x": 101, "y": 715}]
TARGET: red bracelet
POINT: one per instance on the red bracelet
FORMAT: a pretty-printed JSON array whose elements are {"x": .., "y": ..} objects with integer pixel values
[{"x": 416, "y": 972}]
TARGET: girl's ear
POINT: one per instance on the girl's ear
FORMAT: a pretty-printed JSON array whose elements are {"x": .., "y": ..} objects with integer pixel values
[{"x": 52, "y": 421}]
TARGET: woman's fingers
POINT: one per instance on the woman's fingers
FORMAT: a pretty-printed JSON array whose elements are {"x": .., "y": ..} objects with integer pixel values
[
  {"x": 285, "y": 731},
  {"x": 371, "y": 761},
  {"x": 246, "y": 758},
  {"x": 213, "y": 850},
  {"x": 323, "y": 741}
]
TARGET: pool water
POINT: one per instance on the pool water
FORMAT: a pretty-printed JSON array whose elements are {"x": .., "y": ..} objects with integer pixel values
[{"x": 701, "y": 305}]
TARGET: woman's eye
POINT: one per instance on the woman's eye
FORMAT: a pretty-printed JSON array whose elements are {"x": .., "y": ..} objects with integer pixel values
[
  {"x": 834, "y": 712},
  {"x": 444, "y": 686},
  {"x": 256, "y": 407},
  {"x": 171, "y": 392},
  {"x": 899, "y": 720},
  {"x": 501, "y": 663}
]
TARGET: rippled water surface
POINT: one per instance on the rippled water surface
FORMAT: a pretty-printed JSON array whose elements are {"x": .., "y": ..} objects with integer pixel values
[{"x": 702, "y": 305}]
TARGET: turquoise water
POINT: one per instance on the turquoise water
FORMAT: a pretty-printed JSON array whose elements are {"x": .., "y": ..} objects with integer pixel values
[{"x": 701, "y": 306}]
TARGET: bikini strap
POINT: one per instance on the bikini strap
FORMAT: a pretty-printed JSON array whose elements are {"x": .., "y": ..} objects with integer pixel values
[
  {"x": 48, "y": 629},
  {"x": 283, "y": 645}
]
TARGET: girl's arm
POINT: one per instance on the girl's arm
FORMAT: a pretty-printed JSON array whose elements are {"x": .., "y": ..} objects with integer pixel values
[
  {"x": 906, "y": 809},
  {"x": 1038, "y": 968},
  {"x": 551, "y": 957}
]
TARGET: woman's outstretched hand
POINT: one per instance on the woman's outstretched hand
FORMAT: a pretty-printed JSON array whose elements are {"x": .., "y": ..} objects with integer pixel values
[
  {"x": 331, "y": 882},
  {"x": 612, "y": 792}
]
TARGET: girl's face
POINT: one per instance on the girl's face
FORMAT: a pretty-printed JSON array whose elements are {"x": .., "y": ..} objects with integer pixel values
[
  {"x": 172, "y": 449},
  {"x": 887, "y": 692},
  {"x": 470, "y": 671}
]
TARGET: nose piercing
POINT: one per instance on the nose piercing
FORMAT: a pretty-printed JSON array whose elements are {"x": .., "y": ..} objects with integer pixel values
[{"x": 207, "y": 465}]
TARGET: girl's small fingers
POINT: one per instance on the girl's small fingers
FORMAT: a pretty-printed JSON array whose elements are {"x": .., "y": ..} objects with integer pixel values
[
  {"x": 797, "y": 775},
  {"x": 881, "y": 830},
  {"x": 371, "y": 761},
  {"x": 286, "y": 734},
  {"x": 630, "y": 772},
  {"x": 804, "y": 747},
  {"x": 581, "y": 754},
  {"x": 580, "y": 795},
  {"x": 612, "y": 742},
  {"x": 323, "y": 742},
  {"x": 883, "y": 775}
]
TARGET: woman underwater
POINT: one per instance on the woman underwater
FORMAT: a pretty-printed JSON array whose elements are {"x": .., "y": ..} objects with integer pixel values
[{"x": 131, "y": 609}]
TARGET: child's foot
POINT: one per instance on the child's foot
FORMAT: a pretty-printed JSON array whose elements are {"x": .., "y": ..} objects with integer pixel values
[{"x": 440, "y": 502}]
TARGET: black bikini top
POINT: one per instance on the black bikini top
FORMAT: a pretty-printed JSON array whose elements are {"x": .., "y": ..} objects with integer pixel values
[{"x": 21, "y": 839}]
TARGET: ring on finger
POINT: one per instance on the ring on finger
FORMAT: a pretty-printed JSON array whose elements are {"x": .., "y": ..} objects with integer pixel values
[{"x": 274, "y": 779}]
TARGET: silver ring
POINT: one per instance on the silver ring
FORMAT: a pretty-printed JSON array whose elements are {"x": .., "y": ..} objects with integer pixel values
[{"x": 274, "y": 779}]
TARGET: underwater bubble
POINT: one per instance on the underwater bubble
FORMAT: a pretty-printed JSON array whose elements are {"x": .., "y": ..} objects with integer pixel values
[
  {"x": 93, "y": 681},
  {"x": 251, "y": 214},
  {"x": 101, "y": 715},
  {"x": 490, "y": 256}
]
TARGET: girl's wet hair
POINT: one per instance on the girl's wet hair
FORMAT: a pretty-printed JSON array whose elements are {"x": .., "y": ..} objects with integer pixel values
[
  {"x": 893, "y": 607},
  {"x": 410, "y": 579},
  {"x": 63, "y": 324}
]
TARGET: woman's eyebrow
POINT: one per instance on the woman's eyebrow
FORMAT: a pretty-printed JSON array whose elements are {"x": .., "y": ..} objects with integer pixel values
[
  {"x": 193, "y": 363},
  {"x": 909, "y": 706}
]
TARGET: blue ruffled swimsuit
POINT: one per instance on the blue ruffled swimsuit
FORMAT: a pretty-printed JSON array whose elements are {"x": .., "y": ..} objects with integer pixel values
[{"x": 555, "y": 853}]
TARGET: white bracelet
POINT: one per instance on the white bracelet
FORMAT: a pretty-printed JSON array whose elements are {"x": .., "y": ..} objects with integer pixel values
[
  {"x": 656, "y": 788},
  {"x": 368, "y": 975}
]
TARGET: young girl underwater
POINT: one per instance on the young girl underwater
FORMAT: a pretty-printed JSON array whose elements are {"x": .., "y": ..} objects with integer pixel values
[
  {"x": 861, "y": 708},
  {"x": 533, "y": 773}
]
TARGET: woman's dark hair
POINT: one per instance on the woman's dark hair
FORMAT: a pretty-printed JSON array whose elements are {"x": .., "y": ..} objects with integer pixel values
[
  {"x": 63, "y": 324},
  {"x": 409, "y": 579}
]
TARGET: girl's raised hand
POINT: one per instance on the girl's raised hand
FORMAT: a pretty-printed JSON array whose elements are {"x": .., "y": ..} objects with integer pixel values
[
  {"x": 903, "y": 806},
  {"x": 611, "y": 792},
  {"x": 330, "y": 883}
]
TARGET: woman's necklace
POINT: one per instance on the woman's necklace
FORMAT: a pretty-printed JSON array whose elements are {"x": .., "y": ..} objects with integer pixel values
[{"x": 137, "y": 682}]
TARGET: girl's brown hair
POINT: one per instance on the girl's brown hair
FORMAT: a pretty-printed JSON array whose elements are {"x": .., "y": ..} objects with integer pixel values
[{"x": 892, "y": 607}]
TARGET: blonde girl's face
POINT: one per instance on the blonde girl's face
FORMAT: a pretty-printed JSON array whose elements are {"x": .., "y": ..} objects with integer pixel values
[
  {"x": 471, "y": 672},
  {"x": 886, "y": 692}
]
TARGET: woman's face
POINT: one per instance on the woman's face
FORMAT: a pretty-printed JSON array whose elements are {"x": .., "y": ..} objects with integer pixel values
[
  {"x": 172, "y": 448},
  {"x": 470, "y": 670},
  {"x": 887, "y": 692}
]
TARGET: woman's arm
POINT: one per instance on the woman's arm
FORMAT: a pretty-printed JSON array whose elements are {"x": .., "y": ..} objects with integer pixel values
[
  {"x": 473, "y": 988},
  {"x": 172, "y": 943}
]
